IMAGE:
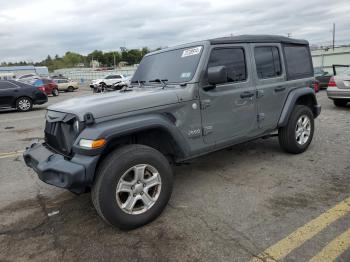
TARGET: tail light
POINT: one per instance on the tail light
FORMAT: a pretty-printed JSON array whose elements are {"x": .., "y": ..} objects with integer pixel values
[
  {"x": 41, "y": 88},
  {"x": 331, "y": 82},
  {"x": 316, "y": 86}
]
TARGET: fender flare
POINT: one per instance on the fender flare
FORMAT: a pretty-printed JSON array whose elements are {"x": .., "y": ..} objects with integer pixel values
[
  {"x": 291, "y": 100},
  {"x": 112, "y": 129}
]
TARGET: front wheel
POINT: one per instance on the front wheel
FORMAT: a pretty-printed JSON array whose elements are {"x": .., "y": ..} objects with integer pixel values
[
  {"x": 132, "y": 187},
  {"x": 297, "y": 135}
]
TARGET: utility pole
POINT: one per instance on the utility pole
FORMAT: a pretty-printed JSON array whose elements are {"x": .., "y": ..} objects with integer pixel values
[
  {"x": 333, "y": 36},
  {"x": 114, "y": 60}
]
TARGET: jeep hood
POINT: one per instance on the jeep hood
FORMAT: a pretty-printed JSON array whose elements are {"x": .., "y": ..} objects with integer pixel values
[{"x": 107, "y": 104}]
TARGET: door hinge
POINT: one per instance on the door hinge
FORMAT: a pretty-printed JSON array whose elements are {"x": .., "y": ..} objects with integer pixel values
[
  {"x": 207, "y": 130},
  {"x": 205, "y": 103}
]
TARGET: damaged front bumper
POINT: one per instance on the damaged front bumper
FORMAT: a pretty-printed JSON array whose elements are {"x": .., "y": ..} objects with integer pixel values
[{"x": 74, "y": 174}]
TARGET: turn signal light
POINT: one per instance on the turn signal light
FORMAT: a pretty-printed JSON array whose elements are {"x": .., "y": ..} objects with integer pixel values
[{"x": 92, "y": 144}]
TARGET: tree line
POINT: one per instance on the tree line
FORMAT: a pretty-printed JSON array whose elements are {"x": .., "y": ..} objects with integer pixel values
[{"x": 71, "y": 59}]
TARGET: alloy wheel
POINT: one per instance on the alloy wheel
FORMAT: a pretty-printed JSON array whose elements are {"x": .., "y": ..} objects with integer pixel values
[
  {"x": 138, "y": 189},
  {"x": 303, "y": 130}
]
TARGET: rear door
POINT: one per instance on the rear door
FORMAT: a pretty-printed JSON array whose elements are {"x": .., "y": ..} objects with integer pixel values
[
  {"x": 271, "y": 85},
  {"x": 8, "y": 92}
]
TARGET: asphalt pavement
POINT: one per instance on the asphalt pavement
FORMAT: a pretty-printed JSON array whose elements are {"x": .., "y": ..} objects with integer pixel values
[{"x": 252, "y": 202}]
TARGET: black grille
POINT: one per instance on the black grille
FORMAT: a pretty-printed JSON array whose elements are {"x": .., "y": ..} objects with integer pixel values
[{"x": 60, "y": 135}]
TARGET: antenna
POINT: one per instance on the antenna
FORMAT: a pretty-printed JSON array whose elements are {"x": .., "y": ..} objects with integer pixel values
[{"x": 333, "y": 36}]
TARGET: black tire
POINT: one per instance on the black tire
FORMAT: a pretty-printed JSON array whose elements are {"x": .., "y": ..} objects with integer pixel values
[
  {"x": 70, "y": 89},
  {"x": 340, "y": 102},
  {"x": 55, "y": 92},
  {"x": 108, "y": 175},
  {"x": 287, "y": 135},
  {"x": 24, "y": 104}
]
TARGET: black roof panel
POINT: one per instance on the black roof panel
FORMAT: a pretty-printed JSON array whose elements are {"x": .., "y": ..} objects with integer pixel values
[{"x": 257, "y": 39}]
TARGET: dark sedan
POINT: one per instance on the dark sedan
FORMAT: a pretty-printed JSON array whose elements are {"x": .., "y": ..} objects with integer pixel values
[
  {"x": 322, "y": 77},
  {"x": 22, "y": 96}
]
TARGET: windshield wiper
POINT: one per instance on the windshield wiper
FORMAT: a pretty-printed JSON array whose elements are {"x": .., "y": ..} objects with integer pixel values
[
  {"x": 162, "y": 81},
  {"x": 139, "y": 82}
]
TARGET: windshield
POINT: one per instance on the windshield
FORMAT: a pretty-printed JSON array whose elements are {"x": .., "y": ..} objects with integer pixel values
[{"x": 175, "y": 66}]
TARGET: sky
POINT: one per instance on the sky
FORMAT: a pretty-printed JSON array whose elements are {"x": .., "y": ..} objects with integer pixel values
[{"x": 32, "y": 29}]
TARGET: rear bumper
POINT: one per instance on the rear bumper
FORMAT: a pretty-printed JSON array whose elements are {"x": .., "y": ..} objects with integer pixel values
[
  {"x": 39, "y": 98},
  {"x": 54, "y": 169},
  {"x": 338, "y": 94},
  {"x": 40, "y": 101}
]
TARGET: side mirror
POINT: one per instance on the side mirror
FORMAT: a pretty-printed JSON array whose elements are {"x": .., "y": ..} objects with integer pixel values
[{"x": 217, "y": 75}]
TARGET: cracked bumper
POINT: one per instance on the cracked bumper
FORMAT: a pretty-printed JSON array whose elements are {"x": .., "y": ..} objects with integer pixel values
[{"x": 54, "y": 169}]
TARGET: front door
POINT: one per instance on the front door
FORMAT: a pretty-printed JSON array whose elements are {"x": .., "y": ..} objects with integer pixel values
[{"x": 228, "y": 109}]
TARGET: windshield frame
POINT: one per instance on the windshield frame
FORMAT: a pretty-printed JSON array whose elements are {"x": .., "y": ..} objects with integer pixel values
[{"x": 195, "y": 71}]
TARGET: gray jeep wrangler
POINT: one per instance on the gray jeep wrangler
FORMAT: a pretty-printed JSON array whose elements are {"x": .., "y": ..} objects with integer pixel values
[{"x": 184, "y": 102}]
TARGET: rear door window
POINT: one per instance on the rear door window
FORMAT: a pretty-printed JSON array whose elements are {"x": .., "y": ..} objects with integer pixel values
[
  {"x": 298, "y": 61},
  {"x": 268, "y": 61}
]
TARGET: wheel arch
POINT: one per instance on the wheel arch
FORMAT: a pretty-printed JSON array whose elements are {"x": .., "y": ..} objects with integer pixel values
[
  {"x": 301, "y": 96},
  {"x": 158, "y": 131}
]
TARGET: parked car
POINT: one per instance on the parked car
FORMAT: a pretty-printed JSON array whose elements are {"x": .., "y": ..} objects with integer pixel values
[
  {"x": 66, "y": 85},
  {"x": 27, "y": 77},
  {"x": 47, "y": 85},
  {"x": 322, "y": 77},
  {"x": 186, "y": 101},
  {"x": 339, "y": 88},
  {"x": 110, "y": 80},
  {"x": 15, "y": 94}
]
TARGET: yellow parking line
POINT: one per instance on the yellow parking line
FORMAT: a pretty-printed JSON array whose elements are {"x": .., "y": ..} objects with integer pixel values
[
  {"x": 11, "y": 154},
  {"x": 304, "y": 233},
  {"x": 334, "y": 249}
]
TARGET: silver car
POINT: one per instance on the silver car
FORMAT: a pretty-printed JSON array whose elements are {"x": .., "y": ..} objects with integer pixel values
[{"x": 339, "y": 88}]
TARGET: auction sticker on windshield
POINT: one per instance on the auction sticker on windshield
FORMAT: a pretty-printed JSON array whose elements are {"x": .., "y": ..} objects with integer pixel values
[{"x": 191, "y": 51}]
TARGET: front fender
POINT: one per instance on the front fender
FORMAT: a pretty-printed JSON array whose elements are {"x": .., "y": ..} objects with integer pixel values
[
  {"x": 112, "y": 129},
  {"x": 291, "y": 100}
]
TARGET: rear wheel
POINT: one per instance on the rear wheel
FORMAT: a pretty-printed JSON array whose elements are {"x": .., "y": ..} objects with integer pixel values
[
  {"x": 24, "y": 104},
  {"x": 297, "y": 135},
  {"x": 132, "y": 187},
  {"x": 55, "y": 92},
  {"x": 340, "y": 102}
]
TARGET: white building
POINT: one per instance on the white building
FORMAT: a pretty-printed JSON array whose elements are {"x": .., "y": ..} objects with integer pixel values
[
  {"x": 326, "y": 57},
  {"x": 17, "y": 71}
]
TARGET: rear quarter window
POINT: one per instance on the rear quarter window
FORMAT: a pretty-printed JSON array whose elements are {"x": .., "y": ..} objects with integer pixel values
[{"x": 298, "y": 61}]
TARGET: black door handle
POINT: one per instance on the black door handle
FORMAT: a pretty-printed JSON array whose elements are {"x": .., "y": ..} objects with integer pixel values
[
  {"x": 280, "y": 88},
  {"x": 246, "y": 94}
]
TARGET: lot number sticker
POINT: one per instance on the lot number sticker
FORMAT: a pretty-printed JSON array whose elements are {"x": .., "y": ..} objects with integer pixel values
[{"x": 191, "y": 51}]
